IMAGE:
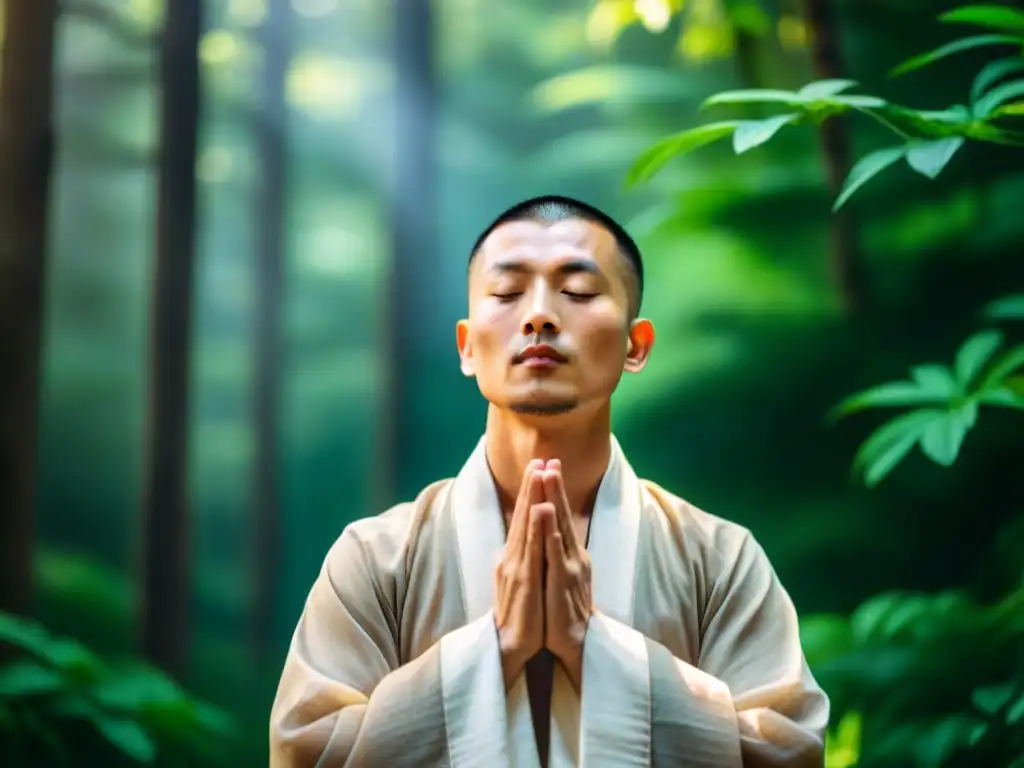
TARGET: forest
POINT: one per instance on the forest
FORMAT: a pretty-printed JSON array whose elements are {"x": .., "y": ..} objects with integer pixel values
[{"x": 233, "y": 245}]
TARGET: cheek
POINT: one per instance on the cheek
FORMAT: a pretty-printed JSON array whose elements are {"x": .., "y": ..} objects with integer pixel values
[
  {"x": 603, "y": 335},
  {"x": 490, "y": 331}
]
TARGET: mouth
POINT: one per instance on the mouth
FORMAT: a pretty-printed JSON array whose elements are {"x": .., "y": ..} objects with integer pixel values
[{"x": 541, "y": 356}]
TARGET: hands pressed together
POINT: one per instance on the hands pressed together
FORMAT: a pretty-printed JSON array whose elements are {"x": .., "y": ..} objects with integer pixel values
[{"x": 542, "y": 591}]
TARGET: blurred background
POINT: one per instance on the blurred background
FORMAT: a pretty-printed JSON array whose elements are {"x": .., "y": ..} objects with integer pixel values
[{"x": 235, "y": 236}]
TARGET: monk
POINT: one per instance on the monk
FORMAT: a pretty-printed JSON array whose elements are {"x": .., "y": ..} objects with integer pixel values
[{"x": 546, "y": 607}]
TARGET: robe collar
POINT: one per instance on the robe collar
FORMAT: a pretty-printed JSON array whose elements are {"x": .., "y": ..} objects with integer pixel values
[{"x": 612, "y": 542}]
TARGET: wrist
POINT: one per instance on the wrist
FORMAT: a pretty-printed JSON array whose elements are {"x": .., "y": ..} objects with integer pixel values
[
  {"x": 512, "y": 664},
  {"x": 572, "y": 662}
]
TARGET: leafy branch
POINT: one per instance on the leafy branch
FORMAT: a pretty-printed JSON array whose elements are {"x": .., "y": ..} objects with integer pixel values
[
  {"x": 928, "y": 138},
  {"x": 136, "y": 710},
  {"x": 945, "y": 400}
]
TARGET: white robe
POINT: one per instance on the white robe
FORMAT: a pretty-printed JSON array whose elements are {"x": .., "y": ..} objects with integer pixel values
[{"x": 693, "y": 658}]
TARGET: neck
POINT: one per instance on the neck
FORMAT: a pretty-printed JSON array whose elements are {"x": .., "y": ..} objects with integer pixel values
[{"x": 584, "y": 449}]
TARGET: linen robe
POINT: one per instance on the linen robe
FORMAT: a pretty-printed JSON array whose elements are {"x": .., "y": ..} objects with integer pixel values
[{"x": 692, "y": 658}]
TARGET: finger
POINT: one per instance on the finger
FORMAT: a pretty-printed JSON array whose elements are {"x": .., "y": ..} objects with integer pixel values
[
  {"x": 534, "y": 556},
  {"x": 555, "y": 551},
  {"x": 554, "y": 488},
  {"x": 521, "y": 511}
]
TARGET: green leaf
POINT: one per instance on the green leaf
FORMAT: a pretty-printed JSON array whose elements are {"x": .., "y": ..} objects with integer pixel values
[
  {"x": 824, "y": 89},
  {"x": 75, "y": 660},
  {"x": 943, "y": 437},
  {"x": 824, "y": 637},
  {"x": 1002, "y": 397},
  {"x": 936, "y": 382},
  {"x": 754, "y": 133},
  {"x": 931, "y": 157},
  {"x": 867, "y": 168},
  {"x": 974, "y": 354},
  {"x": 1008, "y": 363},
  {"x": 888, "y": 444},
  {"x": 752, "y": 96},
  {"x": 1016, "y": 109},
  {"x": 891, "y": 394},
  {"x": 1007, "y": 308},
  {"x": 987, "y": 104},
  {"x": 28, "y": 678},
  {"x": 949, "y": 49},
  {"x": 994, "y": 16},
  {"x": 970, "y": 412},
  {"x": 22, "y": 633},
  {"x": 992, "y": 73},
  {"x": 127, "y": 736},
  {"x": 655, "y": 158},
  {"x": 992, "y": 698},
  {"x": 859, "y": 101}
]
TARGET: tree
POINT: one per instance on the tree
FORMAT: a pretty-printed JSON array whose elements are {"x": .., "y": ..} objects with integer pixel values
[
  {"x": 26, "y": 153},
  {"x": 415, "y": 251},
  {"x": 270, "y": 247},
  {"x": 165, "y": 505},
  {"x": 826, "y": 58}
]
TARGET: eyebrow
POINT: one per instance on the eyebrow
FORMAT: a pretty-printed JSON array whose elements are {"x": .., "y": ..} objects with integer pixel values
[{"x": 572, "y": 267}]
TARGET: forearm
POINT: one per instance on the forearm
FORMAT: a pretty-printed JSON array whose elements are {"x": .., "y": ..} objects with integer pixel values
[
  {"x": 446, "y": 704},
  {"x": 643, "y": 706}
]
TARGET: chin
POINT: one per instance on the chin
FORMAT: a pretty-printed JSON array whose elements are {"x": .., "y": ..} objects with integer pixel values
[{"x": 545, "y": 409}]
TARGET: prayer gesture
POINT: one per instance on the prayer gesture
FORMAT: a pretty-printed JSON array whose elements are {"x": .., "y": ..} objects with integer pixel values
[
  {"x": 518, "y": 578},
  {"x": 534, "y": 609},
  {"x": 567, "y": 591}
]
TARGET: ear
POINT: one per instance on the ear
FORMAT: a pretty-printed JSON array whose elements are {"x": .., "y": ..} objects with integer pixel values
[
  {"x": 465, "y": 349},
  {"x": 641, "y": 341}
]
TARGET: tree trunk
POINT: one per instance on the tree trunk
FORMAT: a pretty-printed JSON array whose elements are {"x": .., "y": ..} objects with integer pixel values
[
  {"x": 414, "y": 263},
  {"x": 26, "y": 152},
  {"x": 270, "y": 249},
  {"x": 165, "y": 595},
  {"x": 826, "y": 57}
]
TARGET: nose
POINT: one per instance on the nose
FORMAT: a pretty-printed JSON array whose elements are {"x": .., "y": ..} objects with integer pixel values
[{"x": 540, "y": 316}]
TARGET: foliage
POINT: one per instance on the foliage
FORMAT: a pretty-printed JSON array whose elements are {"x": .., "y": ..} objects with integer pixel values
[
  {"x": 946, "y": 402},
  {"x": 55, "y": 693},
  {"x": 929, "y": 138},
  {"x": 923, "y": 680},
  {"x": 916, "y": 679}
]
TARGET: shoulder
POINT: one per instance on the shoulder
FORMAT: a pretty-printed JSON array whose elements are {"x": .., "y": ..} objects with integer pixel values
[
  {"x": 703, "y": 527},
  {"x": 381, "y": 543},
  {"x": 721, "y": 544}
]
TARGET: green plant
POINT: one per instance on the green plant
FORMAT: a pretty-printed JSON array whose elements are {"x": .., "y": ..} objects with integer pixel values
[
  {"x": 928, "y": 138},
  {"x": 945, "y": 402},
  {"x": 60, "y": 703},
  {"x": 937, "y": 680},
  {"x": 923, "y": 680}
]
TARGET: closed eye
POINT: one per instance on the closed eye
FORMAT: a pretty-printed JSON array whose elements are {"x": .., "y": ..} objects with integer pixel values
[
  {"x": 506, "y": 296},
  {"x": 579, "y": 296}
]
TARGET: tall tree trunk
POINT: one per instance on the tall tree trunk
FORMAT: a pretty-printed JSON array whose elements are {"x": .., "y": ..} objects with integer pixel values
[
  {"x": 826, "y": 56},
  {"x": 165, "y": 596},
  {"x": 747, "y": 67},
  {"x": 414, "y": 263},
  {"x": 26, "y": 155},
  {"x": 270, "y": 248}
]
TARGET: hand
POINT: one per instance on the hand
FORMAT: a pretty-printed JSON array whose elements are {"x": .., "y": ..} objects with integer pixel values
[
  {"x": 567, "y": 593},
  {"x": 518, "y": 580}
]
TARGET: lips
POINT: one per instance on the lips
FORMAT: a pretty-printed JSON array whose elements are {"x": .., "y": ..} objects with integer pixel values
[{"x": 541, "y": 353}]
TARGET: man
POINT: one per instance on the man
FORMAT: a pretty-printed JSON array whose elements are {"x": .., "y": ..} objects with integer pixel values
[{"x": 614, "y": 625}]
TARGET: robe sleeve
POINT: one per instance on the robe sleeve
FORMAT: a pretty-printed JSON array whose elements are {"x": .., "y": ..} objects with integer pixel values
[
  {"x": 751, "y": 701},
  {"x": 345, "y": 699}
]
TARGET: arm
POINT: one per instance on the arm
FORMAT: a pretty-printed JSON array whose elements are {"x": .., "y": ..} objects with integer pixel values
[
  {"x": 345, "y": 700},
  {"x": 751, "y": 701}
]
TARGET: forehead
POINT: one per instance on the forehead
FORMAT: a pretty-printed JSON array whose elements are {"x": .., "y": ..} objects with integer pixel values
[{"x": 539, "y": 242}]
